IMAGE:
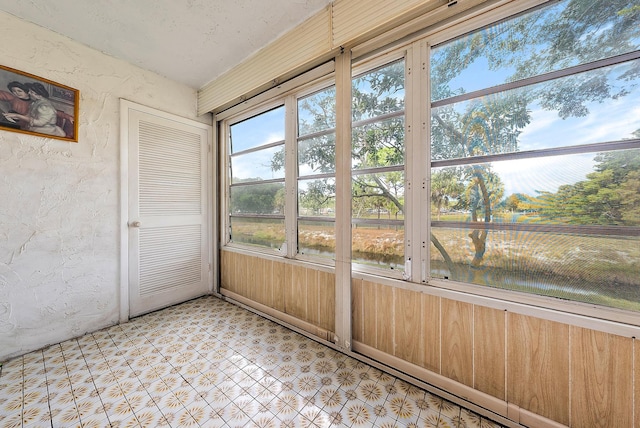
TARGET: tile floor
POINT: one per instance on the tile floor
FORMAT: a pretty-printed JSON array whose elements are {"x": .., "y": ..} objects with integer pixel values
[{"x": 208, "y": 363}]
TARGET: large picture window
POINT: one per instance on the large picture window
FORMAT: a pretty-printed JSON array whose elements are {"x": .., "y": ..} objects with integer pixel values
[{"x": 535, "y": 154}]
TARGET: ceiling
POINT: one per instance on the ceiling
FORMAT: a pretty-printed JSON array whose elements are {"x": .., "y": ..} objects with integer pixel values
[{"x": 188, "y": 41}]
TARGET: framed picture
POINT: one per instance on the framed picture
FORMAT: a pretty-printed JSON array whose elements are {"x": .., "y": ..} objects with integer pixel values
[{"x": 37, "y": 106}]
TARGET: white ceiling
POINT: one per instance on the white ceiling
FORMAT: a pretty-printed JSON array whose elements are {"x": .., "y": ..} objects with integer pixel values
[{"x": 189, "y": 41}]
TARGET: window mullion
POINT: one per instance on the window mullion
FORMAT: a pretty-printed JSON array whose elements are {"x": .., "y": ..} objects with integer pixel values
[
  {"x": 416, "y": 173},
  {"x": 225, "y": 180},
  {"x": 343, "y": 201},
  {"x": 291, "y": 183},
  {"x": 424, "y": 159},
  {"x": 411, "y": 147}
]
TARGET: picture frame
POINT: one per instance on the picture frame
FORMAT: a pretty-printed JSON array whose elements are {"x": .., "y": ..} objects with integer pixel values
[{"x": 33, "y": 105}]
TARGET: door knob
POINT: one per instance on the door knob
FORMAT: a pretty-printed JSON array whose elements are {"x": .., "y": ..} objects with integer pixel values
[{"x": 134, "y": 224}]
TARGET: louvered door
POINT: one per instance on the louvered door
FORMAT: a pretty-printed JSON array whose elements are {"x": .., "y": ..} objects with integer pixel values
[{"x": 168, "y": 248}]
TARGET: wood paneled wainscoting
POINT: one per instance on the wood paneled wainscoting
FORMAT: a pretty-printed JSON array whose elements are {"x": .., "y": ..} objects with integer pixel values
[
  {"x": 301, "y": 295},
  {"x": 535, "y": 371}
]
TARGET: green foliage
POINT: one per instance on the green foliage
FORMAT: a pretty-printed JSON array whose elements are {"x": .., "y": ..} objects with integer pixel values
[
  {"x": 257, "y": 198},
  {"x": 513, "y": 202},
  {"x": 318, "y": 194},
  {"x": 446, "y": 187},
  {"x": 609, "y": 196}
]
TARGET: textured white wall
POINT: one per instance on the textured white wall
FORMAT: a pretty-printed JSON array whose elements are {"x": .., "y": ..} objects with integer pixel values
[{"x": 59, "y": 209}]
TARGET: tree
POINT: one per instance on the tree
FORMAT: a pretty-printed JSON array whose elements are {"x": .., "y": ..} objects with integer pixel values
[
  {"x": 256, "y": 198},
  {"x": 513, "y": 202},
  {"x": 609, "y": 196},
  {"x": 446, "y": 187},
  {"x": 318, "y": 194}
]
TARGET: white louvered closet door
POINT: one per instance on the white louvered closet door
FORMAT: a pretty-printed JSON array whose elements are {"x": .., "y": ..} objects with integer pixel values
[{"x": 168, "y": 248}]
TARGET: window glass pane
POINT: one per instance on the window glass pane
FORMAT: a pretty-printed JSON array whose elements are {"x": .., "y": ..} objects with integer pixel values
[
  {"x": 263, "y": 164},
  {"x": 378, "y": 144},
  {"x": 317, "y": 197},
  {"x": 591, "y": 107},
  {"x": 596, "y": 269},
  {"x": 267, "y": 198},
  {"x": 562, "y": 226},
  {"x": 565, "y": 226},
  {"x": 260, "y": 232},
  {"x": 565, "y": 34},
  {"x": 378, "y": 196},
  {"x": 378, "y": 245},
  {"x": 317, "y": 112},
  {"x": 317, "y": 238},
  {"x": 259, "y": 130},
  {"x": 378, "y": 92},
  {"x": 317, "y": 155}
]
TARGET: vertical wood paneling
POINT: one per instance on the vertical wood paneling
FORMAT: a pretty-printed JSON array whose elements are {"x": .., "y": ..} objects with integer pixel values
[
  {"x": 369, "y": 316},
  {"x": 457, "y": 341},
  {"x": 601, "y": 388},
  {"x": 636, "y": 362},
  {"x": 254, "y": 277},
  {"x": 225, "y": 268},
  {"x": 288, "y": 287},
  {"x": 305, "y": 293},
  {"x": 384, "y": 318},
  {"x": 430, "y": 332},
  {"x": 279, "y": 276},
  {"x": 241, "y": 274},
  {"x": 313, "y": 297},
  {"x": 636, "y": 377},
  {"x": 357, "y": 311},
  {"x": 269, "y": 283},
  {"x": 538, "y": 366},
  {"x": 327, "y": 284},
  {"x": 295, "y": 298},
  {"x": 489, "y": 351},
  {"x": 408, "y": 319},
  {"x": 260, "y": 280}
]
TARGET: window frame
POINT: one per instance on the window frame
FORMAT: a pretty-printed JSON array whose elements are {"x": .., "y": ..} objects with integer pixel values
[
  {"x": 527, "y": 302},
  {"x": 360, "y": 68},
  {"x": 313, "y": 88},
  {"x": 226, "y": 178},
  {"x": 313, "y": 81}
]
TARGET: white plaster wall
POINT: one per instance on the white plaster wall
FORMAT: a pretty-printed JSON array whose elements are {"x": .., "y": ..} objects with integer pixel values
[{"x": 60, "y": 202}]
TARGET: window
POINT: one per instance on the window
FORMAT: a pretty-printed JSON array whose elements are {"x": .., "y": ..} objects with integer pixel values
[
  {"x": 276, "y": 169},
  {"x": 535, "y": 154},
  {"x": 257, "y": 188},
  {"x": 377, "y": 162},
  {"x": 507, "y": 158},
  {"x": 316, "y": 153}
]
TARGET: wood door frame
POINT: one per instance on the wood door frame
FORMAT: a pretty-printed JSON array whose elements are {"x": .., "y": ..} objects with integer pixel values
[{"x": 125, "y": 107}]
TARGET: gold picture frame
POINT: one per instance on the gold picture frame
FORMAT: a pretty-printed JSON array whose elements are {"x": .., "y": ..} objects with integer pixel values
[{"x": 30, "y": 104}]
